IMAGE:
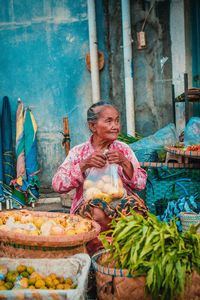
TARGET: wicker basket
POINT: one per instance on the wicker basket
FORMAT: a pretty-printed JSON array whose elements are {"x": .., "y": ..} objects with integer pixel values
[
  {"x": 189, "y": 218},
  {"x": 118, "y": 284},
  {"x": 23, "y": 246}
]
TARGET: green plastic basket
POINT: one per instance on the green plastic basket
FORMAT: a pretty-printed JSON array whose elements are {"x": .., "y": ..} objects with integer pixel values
[{"x": 161, "y": 181}]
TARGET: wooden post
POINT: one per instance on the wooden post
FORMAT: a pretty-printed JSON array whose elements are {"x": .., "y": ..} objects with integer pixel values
[{"x": 66, "y": 139}]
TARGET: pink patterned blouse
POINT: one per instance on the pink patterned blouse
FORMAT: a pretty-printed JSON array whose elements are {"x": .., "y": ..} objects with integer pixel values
[{"x": 69, "y": 175}]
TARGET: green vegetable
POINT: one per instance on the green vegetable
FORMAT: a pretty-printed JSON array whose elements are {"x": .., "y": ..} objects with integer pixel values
[
  {"x": 148, "y": 246},
  {"x": 129, "y": 139}
]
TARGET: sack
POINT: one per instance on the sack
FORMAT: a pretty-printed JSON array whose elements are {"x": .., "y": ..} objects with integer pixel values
[
  {"x": 146, "y": 148},
  {"x": 104, "y": 184}
]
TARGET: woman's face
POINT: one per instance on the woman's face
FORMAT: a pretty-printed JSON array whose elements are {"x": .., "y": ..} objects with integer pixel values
[{"x": 107, "y": 126}]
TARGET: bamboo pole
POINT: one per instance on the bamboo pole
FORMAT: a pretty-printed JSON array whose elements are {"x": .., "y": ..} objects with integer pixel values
[{"x": 66, "y": 136}]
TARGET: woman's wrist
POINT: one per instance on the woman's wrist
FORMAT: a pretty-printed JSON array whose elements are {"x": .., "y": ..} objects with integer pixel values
[
  {"x": 127, "y": 168},
  {"x": 83, "y": 165}
]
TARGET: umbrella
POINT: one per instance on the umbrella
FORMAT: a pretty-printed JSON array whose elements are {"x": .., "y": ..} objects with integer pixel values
[
  {"x": 7, "y": 149},
  {"x": 30, "y": 130},
  {"x": 17, "y": 194},
  {"x": 1, "y": 170},
  {"x": 21, "y": 171}
]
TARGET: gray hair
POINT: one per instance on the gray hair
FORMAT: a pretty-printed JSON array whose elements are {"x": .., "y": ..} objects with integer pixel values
[{"x": 93, "y": 111}]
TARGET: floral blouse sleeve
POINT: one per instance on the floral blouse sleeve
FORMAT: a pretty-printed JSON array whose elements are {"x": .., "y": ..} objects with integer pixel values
[
  {"x": 138, "y": 181},
  {"x": 68, "y": 175}
]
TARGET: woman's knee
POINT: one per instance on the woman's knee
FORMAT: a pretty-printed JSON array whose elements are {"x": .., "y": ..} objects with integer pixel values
[{"x": 98, "y": 214}]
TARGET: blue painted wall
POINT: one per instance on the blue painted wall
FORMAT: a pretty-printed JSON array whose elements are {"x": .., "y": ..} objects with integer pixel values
[{"x": 43, "y": 49}]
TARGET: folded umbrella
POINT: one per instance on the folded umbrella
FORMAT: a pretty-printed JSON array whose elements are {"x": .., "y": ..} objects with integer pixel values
[
  {"x": 30, "y": 130},
  {"x": 20, "y": 145},
  {"x": 1, "y": 170},
  {"x": 7, "y": 149},
  {"x": 17, "y": 194}
]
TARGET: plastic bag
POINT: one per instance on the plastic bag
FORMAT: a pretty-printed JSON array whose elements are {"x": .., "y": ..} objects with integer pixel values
[
  {"x": 192, "y": 132},
  {"x": 146, "y": 148},
  {"x": 189, "y": 204},
  {"x": 104, "y": 184}
]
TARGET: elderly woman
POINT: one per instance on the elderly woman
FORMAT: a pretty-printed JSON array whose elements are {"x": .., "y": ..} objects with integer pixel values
[{"x": 104, "y": 124}]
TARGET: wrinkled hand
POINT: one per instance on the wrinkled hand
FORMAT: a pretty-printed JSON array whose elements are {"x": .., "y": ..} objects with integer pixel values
[
  {"x": 116, "y": 157},
  {"x": 97, "y": 160}
]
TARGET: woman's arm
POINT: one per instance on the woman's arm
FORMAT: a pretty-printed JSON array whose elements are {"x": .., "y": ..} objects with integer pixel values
[
  {"x": 139, "y": 178},
  {"x": 69, "y": 174}
]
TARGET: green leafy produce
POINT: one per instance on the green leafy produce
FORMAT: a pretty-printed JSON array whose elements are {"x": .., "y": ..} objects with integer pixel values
[
  {"x": 129, "y": 139},
  {"x": 148, "y": 246}
]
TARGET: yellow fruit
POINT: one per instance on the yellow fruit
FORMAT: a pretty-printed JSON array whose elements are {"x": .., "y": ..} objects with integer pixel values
[
  {"x": 68, "y": 281},
  {"x": 67, "y": 286},
  {"x": 24, "y": 283},
  {"x": 32, "y": 287},
  {"x": 60, "y": 286},
  {"x": 39, "y": 284},
  {"x": 30, "y": 270},
  {"x": 105, "y": 197},
  {"x": 36, "y": 275},
  {"x": 53, "y": 276},
  {"x": 48, "y": 282},
  {"x": 61, "y": 279},
  {"x": 2, "y": 282},
  {"x": 31, "y": 281},
  {"x": 21, "y": 268},
  {"x": 38, "y": 222},
  {"x": 44, "y": 288},
  {"x": 55, "y": 282},
  {"x": 3, "y": 288},
  {"x": 3, "y": 270}
]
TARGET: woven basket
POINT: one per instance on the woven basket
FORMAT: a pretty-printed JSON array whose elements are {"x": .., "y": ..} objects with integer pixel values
[
  {"x": 14, "y": 250},
  {"x": 118, "y": 284},
  {"x": 18, "y": 245},
  {"x": 189, "y": 218}
]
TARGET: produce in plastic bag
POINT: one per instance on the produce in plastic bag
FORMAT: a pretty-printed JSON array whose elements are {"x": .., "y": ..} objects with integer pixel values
[{"x": 104, "y": 184}]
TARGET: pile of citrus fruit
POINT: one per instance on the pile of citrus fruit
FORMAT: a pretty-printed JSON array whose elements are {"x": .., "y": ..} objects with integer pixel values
[{"x": 25, "y": 277}]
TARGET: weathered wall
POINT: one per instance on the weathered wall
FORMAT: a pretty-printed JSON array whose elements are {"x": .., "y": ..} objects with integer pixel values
[
  {"x": 151, "y": 66},
  {"x": 43, "y": 48}
]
